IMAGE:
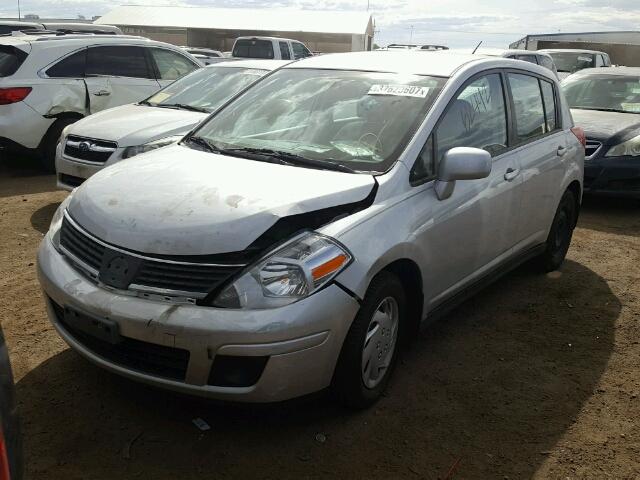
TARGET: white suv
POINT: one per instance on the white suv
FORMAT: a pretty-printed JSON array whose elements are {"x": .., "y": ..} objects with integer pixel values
[{"x": 49, "y": 82}]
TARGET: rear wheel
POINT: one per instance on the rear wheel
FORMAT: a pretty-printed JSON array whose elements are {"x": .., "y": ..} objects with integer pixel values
[
  {"x": 560, "y": 234},
  {"x": 370, "y": 350},
  {"x": 50, "y": 143}
]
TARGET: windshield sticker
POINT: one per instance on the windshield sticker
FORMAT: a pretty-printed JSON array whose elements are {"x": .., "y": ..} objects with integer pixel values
[
  {"x": 399, "y": 90},
  {"x": 160, "y": 97},
  {"x": 631, "y": 107},
  {"x": 585, "y": 59}
]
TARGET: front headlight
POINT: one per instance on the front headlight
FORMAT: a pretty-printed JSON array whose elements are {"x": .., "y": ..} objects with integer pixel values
[
  {"x": 147, "y": 147},
  {"x": 290, "y": 273},
  {"x": 56, "y": 221},
  {"x": 629, "y": 148}
]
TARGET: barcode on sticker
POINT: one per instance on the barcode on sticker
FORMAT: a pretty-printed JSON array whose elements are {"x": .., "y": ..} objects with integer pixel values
[{"x": 399, "y": 90}]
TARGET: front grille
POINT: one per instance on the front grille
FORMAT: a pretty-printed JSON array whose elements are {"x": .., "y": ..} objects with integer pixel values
[
  {"x": 143, "y": 357},
  {"x": 591, "y": 148},
  {"x": 143, "y": 271},
  {"x": 97, "y": 151},
  {"x": 70, "y": 180}
]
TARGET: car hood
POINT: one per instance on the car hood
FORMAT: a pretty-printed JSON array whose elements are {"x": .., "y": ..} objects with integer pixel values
[
  {"x": 179, "y": 201},
  {"x": 609, "y": 128},
  {"x": 130, "y": 125}
]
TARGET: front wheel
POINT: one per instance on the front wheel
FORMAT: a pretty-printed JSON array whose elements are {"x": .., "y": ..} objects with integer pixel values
[
  {"x": 370, "y": 350},
  {"x": 560, "y": 234}
]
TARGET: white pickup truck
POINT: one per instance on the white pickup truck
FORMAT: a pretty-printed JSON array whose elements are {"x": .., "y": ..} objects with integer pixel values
[{"x": 270, "y": 48}]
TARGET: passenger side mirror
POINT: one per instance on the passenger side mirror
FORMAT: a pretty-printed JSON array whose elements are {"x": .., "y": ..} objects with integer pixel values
[{"x": 461, "y": 163}]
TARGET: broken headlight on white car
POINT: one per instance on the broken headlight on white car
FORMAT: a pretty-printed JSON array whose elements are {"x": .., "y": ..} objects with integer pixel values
[
  {"x": 288, "y": 274},
  {"x": 147, "y": 147}
]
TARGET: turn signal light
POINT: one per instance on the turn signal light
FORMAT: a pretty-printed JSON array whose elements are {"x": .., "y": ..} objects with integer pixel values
[
  {"x": 579, "y": 133},
  {"x": 13, "y": 95}
]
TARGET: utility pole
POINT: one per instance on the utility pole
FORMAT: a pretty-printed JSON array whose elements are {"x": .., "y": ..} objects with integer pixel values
[
  {"x": 19, "y": 15},
  {"x": 411, "y": 35}
]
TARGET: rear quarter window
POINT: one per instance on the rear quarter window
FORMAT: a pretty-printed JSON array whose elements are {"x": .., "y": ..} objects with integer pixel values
[
  {"x": 72, "y": 66},
  {"x": 10, "y": 60}
]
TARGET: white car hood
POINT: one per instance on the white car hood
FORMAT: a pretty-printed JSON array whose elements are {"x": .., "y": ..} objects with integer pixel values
[
  {"x": 130, "y": 125},
  {"x": 180, "y": 201}
]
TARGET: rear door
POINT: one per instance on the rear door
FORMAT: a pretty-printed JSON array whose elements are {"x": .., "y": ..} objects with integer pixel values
[
  {"x": 170, "y": 65},
  {"x": 541, "y": 145},
  {"x": 118, "y": 74}
]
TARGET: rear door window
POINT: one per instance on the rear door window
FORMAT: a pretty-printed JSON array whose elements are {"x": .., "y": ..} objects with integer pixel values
[
  {"x": 10, "y": 60},
  {"x": 171, "y": 65},
  {"x": 72, "y": 66},
  {"x": 529, "y": 110},
  {"x": 118, "y": 61},
  {"x": 249, "y": 48},
  {"x": 284, "y": 51}
]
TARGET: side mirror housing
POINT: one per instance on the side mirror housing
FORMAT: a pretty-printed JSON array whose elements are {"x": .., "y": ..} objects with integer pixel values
[{"x": 461, "y": 163}]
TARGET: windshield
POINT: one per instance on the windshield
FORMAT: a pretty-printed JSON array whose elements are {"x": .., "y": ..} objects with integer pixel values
[
  {"x": 206, "y": 88},
  {"x": 620, "y": 93},
  {"x": 572, "y": 62},
  {"x": 359, "y": 119}
]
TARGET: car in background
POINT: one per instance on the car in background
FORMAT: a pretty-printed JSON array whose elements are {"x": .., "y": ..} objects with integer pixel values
[
  {"x": 51, "y": 81},
  {"x": 294, "y": 239},
  {"x": 206, "y": 55},
  {"x": 9, "y": 26},
  {"x": 11, "y": 462},
  {"x": 269, "y": 48},
  {"x": 569, "y": 61},
  {"x": 606, "y": 104},
  {"x": 537, "y": 58},
  {"x": 77, "y": 27},
  {"x": 109, "y": 136}
]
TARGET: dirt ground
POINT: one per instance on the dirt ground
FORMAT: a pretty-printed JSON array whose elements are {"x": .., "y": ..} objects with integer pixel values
[{"x": 536, "y": 377}]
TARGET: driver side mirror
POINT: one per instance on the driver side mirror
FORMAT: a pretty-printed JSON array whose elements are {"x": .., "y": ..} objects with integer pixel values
[{"x": 461, "y": 163}]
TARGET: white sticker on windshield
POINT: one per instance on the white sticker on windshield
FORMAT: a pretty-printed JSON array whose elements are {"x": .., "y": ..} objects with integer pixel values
[
  {"x": 585, "y": 59},
  {"x": 399, "y": 90},
  {"x": 160, "y": 97},
  {"x": 631, "y": 107}
]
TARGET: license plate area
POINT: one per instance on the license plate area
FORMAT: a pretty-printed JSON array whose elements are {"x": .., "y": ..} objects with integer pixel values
[{"x": 100, "y": 328}]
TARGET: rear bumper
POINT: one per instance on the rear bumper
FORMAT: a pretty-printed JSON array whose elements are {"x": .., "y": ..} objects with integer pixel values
[
  {"x": 21, "y": 127},
  {"x": 616, "y": 176}
]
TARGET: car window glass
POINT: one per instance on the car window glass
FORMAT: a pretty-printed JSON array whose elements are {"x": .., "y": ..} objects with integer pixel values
[
  {"x": 117, "y": 61},
  {"x": 599, "y": 61},
  {"x": 299, "y": 50},
  {"x": 619, "y": 93},
  {"x": 69, "y": 67},
  {"x": 10, "y": 60},
  {"x": 607, "y": 61},
  {"x": 424, "y": 168},
  {"x": 529, "y": 113},
  {"x": 284, "y": 51},
  {"x": 476, "y": 118},
  {"x": 171, "y": 65},
  {"x": 549, "y": 105},
  {"x": 546, "y": 62},
  {"x": 527, "y": 58},
  {"x": 253, "y": 49}
]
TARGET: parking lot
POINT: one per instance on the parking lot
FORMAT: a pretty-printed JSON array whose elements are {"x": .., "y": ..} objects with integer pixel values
[{"x": 535, "y": 377}]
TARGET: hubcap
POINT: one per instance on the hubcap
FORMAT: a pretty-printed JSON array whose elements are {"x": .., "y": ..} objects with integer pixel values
[{"x": 380, "y": 342}]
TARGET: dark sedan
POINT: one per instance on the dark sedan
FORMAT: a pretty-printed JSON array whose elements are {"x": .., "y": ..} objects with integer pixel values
[{"x": 606, "y": 104}]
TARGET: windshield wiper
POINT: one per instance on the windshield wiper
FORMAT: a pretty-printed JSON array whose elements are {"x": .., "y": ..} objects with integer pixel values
[
  {"x": 603, "y": 109},
  {"x": 145, "y": 102},
  {"x": 184, "y": 106},
  {"x": 203, "y": 142},
  {"x": 293, "y": 159}
]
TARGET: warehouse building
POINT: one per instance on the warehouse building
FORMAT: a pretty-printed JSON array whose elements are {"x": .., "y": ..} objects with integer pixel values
[
  {"x": 623, "y": 47},
  {"x": 217, "y": 28}
]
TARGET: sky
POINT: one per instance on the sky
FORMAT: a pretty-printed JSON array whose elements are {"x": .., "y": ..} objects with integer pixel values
[{"x": 455, "y": 23}]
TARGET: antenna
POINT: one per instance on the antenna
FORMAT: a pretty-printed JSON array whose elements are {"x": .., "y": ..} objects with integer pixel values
[{"x": 477, "y": 46}]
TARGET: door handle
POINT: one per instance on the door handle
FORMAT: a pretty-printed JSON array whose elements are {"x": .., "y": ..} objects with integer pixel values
[
  {"x": 561, "y": 151},
  {"x": 511, "y": 173},
  {"x": 102, "y": 93}
]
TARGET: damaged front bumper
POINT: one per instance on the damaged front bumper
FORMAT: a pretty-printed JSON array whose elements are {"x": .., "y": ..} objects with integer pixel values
[{"x": 240, "y": 355}]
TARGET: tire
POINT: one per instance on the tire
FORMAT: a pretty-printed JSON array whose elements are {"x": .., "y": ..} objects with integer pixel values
[
  {"x": 559, "y": 238},
  {"x": 50, "y": 143},
  {"x": 355, "y": 381}
]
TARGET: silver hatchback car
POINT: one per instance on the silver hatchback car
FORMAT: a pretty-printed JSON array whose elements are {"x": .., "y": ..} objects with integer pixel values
[{"x": 292, "y": 240}]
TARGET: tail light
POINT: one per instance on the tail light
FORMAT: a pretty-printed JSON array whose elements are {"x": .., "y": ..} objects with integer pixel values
[
  {"x": 4, "y": 460},
  {"x": 579, "y": 133},
  {"x": 13, "y": 95}
]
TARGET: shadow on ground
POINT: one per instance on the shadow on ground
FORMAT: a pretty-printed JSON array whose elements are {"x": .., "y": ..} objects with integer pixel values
[
  {"x": 620, "y": 216},
  {"x": 491, "y": 387},
  {"x": 36, "y": 180},
  {"x": 41, "y": 218}
]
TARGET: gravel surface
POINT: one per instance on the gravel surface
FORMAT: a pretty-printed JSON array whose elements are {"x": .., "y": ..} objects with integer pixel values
[{"x": 538, "y": 376}]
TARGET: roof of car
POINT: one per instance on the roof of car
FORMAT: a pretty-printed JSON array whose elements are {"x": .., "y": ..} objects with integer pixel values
[
  {"x": 440, "y": 63},
  {"x": 630, "y": 71},
  {"x": 569, "y": 50},
  {"x": 256, "y": 64},
  {"x": 26, "y": 25},
  {"x": 72, "y": 39}
]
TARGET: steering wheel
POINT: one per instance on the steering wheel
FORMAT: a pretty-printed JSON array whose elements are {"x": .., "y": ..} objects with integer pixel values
[{"x": 376, "y": 146}]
